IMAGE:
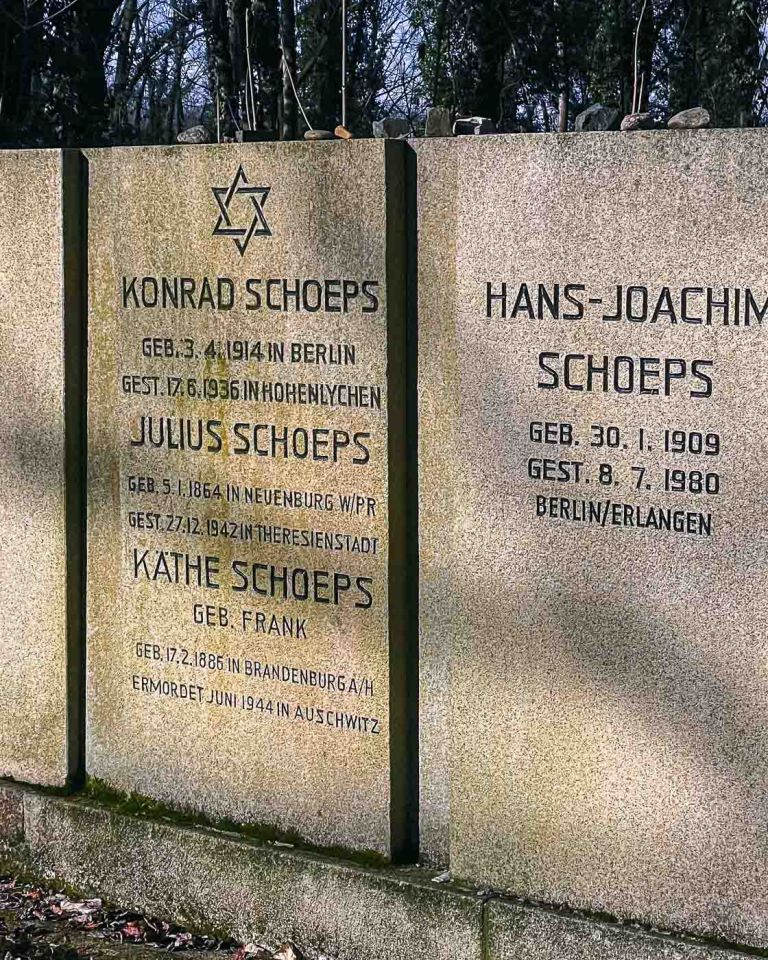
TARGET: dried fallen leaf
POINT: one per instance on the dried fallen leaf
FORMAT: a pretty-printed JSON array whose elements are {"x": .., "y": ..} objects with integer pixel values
[
  {"x": 79, "y": 906},
  {"x": 288, "y": 951},
  {"x": 132, "y": 931},
  {"x": 182, "y": 940},
  {"x": 252, "y": 951}
]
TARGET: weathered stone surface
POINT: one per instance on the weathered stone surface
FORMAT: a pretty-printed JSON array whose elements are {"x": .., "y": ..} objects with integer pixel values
[
  {"x": 517, "y": 932},
  {"x": 11, "y": 815},
  {"x": 638, "y": 121},
  {"x": 694, "y": 119},
  {"x": 598, "y": 117},
  {"x": 439, "y": 484},
  {"x": 392, "y": 127},
  {"x": 318, "y": 135},
  {"x": 439, "y": 122},
  {"x": 40, "y": 363},
  {"x": 609, "y": 705},
  {"x": 248, "y": 659},
  {"x": 209, "y": 880},
  {"x": 473, "y": 126},
  {"x": 198, "y": 134}
]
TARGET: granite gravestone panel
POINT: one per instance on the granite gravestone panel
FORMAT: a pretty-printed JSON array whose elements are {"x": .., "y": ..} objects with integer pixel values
[
  {"x": 604, "y": 323},
  {"x": 247, "y": 643},
  {"x": 440, "y": 483},
  {"x": 40, "y": 490}
]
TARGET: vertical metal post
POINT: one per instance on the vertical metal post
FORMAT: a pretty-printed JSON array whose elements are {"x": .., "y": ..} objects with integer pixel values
[{"x": 344, "y": 63}]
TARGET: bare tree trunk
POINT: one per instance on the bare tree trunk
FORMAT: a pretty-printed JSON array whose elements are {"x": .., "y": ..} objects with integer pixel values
[
  {"x": 122, "y": 71},
  {"x": 562, "y": 106},
  {"x": 289, "y": 125},
  {"x": 139, "y": 81},
  {"x": 174, "y": 90},
  {"x": 24, "y": 94},
  {"x": 157, "y": 89},
  {"x": 217, "y": 32},
  {"x": 442, "y": 16},
  {"x": 235, "y": 13},
  {"x": 265, "y": 45},
  {"x": 138, "y": 108},
  {"x": 321, "y": 58}
]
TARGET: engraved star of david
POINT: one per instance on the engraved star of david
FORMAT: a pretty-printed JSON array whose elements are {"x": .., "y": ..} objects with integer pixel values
[{"x": 258, "y": 197}]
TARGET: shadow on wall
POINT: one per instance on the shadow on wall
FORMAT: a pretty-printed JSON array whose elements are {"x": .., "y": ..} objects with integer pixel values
[{"x": 608, "y": 709}]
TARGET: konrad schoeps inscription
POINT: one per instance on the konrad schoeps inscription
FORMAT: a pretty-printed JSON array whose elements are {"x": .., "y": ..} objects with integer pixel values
[{"x": 244, "y": 532}]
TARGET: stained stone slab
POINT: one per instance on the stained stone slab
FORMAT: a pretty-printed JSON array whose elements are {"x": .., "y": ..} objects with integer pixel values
[
  {"x": 604, "y": 552},
  {"x": 40, "y": 488},
  {"x": 518, "y": 932},
  {"x": 246, "y": 615}
]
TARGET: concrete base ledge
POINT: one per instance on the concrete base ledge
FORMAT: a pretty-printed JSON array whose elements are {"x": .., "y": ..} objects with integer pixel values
[
  {"x": 209, "y": 880},
  {"x": 518, "y": 932},
  {"x": 213, "y": 881}
]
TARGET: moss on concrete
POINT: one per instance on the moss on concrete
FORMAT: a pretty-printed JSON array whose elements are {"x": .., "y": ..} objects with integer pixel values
[
  {"x": 138, "y": 805},
  {"x": 216, "y": 882}
]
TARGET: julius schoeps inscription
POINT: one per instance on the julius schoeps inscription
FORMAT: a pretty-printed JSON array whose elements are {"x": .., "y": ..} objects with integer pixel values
[{"x": 247, "y": 650}]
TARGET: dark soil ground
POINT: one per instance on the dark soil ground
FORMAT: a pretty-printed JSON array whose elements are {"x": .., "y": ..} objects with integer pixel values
[{"x": 40, "y": 924}]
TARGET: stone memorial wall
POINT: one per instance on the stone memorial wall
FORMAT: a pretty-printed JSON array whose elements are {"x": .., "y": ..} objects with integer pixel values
[
  {"x": 579, "y": 473},
  {"x": 247, "y": 632},
  {"x": 601, "y": 342},
  {"x": 41, "y": 486}
]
